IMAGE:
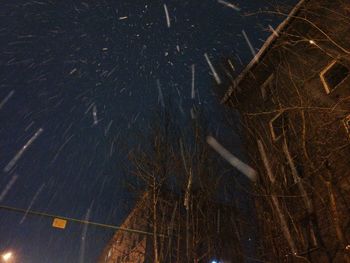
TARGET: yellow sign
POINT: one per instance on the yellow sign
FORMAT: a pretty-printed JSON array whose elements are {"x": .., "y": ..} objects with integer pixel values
[{"x": 59, "y": 223}]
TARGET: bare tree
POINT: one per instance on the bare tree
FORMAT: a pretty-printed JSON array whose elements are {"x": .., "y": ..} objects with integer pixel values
[
  {"x": 295, "y": 133},
  {"x": 181, "y": 175}
]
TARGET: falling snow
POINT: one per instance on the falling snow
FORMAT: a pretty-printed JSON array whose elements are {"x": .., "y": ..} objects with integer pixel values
[
  {"x": 230, "y": 5},
  {"x": 234, "y": 161},
  {"x": 6, "y": 99},
  {"x": 167, "y": 15},
  {"x": 79, "y": 82},
  {"x": 19, "y": 154},
  {"x": 215, "y": 74}
]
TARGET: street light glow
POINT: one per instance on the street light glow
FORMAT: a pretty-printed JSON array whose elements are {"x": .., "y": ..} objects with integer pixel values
[{"x": 7, "y": 256}]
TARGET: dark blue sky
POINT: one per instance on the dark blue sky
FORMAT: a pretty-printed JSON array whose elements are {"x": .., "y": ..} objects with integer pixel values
[{"x": 61, "y": 63}]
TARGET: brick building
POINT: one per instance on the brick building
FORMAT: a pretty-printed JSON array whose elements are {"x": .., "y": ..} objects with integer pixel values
[
  {"x": 128, "y": 246},
  {"x": 207, "y": 237},
  {"x": 294, "y": 104}
]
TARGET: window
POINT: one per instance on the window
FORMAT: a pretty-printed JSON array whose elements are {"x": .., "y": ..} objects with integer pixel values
[
  {"x": 268, "y": 88},
  {"x": 346, "y": 122},
  {"x": 278, "y": 125},
  {"x": 299, "y": 167},
  {"x": 139, "y": 238},
  {"x": 308, "y": 235},
  {"x": 334, "y": 74}
]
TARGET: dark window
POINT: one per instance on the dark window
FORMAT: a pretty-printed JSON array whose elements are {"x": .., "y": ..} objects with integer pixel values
[
  {"x": 299, "y": 166},
  {"x": 139, "y": 238},
  {"x": 308, "y": 234},
  {"x": 333, "y": 75},
  {"x": 279, "y": 125}
]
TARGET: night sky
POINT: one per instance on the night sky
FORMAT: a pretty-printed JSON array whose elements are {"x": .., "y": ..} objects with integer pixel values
[{"x": 76, "y": 79}]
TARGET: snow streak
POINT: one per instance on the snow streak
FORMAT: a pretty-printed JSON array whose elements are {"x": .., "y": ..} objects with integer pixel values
[
  {"x": 167, "y": 15},
  {"x": 229, "y": 5},
  {"x": 94, "y": 114},
  {"x": 3, "y": 102},
  {"x": 250, "y": 45},
  {"x": 8, "y": 187},
  {"x": 216, "y": 76},
  {"x": 32, "y": 202},
  {"x": 234, "y": 161},
  {"x": 273, "y": 31},
  {"x": 83, "y": 236},
  {"x": 14, "y": 160}
]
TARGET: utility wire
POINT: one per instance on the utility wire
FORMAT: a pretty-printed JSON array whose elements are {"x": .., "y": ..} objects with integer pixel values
[{"x": 86, "y": 222}]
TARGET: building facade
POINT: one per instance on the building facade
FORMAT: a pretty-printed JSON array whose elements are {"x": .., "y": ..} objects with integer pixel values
[
  {"x": 129, "y": 246},
  {"x": 201, "y": 233},
  {"x": 294, "y": 103}
]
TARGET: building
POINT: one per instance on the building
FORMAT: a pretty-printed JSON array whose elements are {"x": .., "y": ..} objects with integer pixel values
[
  {"x": 129, "y": 246},
  {"x": 194, "y": 235},
  {"x": 294, "y": 104}
]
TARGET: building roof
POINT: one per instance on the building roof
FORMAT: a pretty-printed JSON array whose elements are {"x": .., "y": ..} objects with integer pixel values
[{"x": 264, "y": 49}]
